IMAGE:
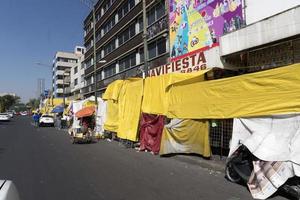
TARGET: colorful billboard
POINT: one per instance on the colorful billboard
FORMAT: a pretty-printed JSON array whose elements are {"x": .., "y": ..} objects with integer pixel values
[{"x": 196, "y": 25}]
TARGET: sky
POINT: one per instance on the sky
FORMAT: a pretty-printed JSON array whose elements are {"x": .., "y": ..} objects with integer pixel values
[{"x": 32, "y": 31}]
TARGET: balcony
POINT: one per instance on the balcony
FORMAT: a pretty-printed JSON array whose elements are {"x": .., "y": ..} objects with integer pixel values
[
  {"x": 59, "y": 91},
  {"x": 157, "y": 27},
  {"x": 59, "y": 82},
  {"x": 59, "y": 72}
]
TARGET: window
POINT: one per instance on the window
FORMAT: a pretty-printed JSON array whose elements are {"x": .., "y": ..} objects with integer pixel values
[
  {"x": 156, "y": 13},
  {"x": 75, "y": 82},
  {"x": 141, "y": 25},
  {"x": 99, "y": 77},
  {"x": 107, "y": 4},
  {"x": 109, "y": 47},
  {"x": 127, "y": 34},
  {"x": 157, "y": 48},
  {"x": 109, "y": 24},
  {"x": 110, "y": 70},
  {"x": 75, "y": 70},
  {"x": 82, "y": 78},
  {"x": 125, "y": 8},
  {"x": 152, "y": 50},
  {"x": 127, "y": 62}
]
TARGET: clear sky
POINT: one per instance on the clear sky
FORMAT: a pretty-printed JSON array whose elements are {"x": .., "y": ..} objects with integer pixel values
[{"x": 32, "y": 31}]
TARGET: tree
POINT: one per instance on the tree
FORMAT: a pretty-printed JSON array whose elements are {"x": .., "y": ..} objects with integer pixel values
[
  {"x": 33, "y": 103},
  {"x": 8, "y": 101}
]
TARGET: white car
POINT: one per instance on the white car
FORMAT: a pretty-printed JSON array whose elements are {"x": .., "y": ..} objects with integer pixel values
[
  {"x": 46, "y": 120},
  {"x": 10, "y": 113},
  {"x": 8, "y": 190},
  {"x": 4, "y": 117}
]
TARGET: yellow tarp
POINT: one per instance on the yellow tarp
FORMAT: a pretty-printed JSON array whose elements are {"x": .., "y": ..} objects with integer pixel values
[
  {"x": 130, "y": 100},
  {"x": 275, "y": 91},
  {"x": 51, "y": 103},
  {"x": 111, "y": 95},
  {"x": 186, "y": 136},
  {"x": 155, "y": 100},
  {"x": 113, "y": 90},
  {"x": 88, "y": 103},
  {"x": 112, "y": 116}
]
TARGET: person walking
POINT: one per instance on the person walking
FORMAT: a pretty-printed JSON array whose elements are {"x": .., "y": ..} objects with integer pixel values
[{"x": 36, "y": 118}]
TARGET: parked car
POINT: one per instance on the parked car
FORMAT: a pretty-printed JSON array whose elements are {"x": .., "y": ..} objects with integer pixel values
[
  {"x": 4, "y": 117},
  {"x": 46, "y": 120},
  {"x": 8, "y": 190}
]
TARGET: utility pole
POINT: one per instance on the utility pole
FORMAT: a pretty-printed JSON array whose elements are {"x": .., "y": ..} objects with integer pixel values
[
  {"x": 91, "y": 5},
  {"x": 145, "y": 39}
]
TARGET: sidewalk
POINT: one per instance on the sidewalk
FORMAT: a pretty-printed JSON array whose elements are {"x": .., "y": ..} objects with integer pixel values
[{"x": 215, "y": 163}]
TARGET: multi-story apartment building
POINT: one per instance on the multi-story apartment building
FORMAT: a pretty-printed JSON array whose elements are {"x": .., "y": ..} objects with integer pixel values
[
  {"x": 63, "y": 63},
  {"x": 119, "y": 41},
  {"x": 77, "y": 74}
]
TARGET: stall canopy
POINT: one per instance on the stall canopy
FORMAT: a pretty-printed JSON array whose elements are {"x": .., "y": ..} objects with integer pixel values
[
  {"x": 186, "y": 136},
  {"x": 111, "y": 96},
  {"x": 58, "y": 109},
  {"x": 155, "y": 98},
  {"x": 129, "y": 104},
  {"x": 85, "y": 112},
  {"x": 263, "y": 93}
]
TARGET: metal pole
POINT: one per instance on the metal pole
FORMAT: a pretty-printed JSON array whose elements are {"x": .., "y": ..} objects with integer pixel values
[
  {"x": 95, "y": 59},
  {"x": 145, "y": 38},
  {"x": 64, "y": 101}
]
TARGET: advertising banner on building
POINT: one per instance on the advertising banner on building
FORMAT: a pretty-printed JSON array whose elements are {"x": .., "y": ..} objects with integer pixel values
[
  {"x": 189, "y": 63},
  {"x": 196, "y": 25}
]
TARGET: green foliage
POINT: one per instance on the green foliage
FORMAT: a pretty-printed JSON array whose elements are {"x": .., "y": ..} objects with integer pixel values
[
  {"x": 8, "y": 101},
  {"x": 33, "y": 103}
]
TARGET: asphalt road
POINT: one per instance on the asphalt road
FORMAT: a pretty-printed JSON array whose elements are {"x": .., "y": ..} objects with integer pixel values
[{"x": 45, "y": 165}]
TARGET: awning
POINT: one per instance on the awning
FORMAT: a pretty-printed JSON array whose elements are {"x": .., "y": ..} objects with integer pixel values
[
  {"x": 58, "y": 109},
  {"x": 85, "y": 112}
]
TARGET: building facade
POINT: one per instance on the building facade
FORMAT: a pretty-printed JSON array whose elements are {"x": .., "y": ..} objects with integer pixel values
[
  {"x": 63, "y": 64},
  {"x": 77, "y": 74},
  {"x": 264, "y": 44},
  {"x": 119, "y": 41}
]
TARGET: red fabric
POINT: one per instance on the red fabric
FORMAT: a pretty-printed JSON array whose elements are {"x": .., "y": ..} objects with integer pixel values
[{"x": 151, "y": 129}]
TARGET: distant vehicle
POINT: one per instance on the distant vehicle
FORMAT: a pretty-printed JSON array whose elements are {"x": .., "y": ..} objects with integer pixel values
[
  {"x": 24, "y": 113},
  {"x": 4, "y": 117},
  {"x": 10, "y": 113},
  {"x": 46, "y": 120},
  {"x": 8, "y": 190}
]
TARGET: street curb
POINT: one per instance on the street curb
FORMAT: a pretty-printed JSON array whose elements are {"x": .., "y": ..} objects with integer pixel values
[{"x": 212, "y": 164}]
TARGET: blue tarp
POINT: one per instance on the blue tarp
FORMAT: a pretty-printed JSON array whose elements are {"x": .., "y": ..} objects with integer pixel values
[{"x": 58, "y": 109}]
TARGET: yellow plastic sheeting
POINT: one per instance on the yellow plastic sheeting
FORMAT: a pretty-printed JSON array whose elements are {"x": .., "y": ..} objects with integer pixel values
[
  {"x": 112, "y": 118},
  {"x": 88, "y": 103},
  {"x": 113, "y": 90},
  {"x": 130, "y": 100},
  {"x": 186, "y": 136},
  {"x": 263, "y": 93},
  {"x": 155, "y": 100}
]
